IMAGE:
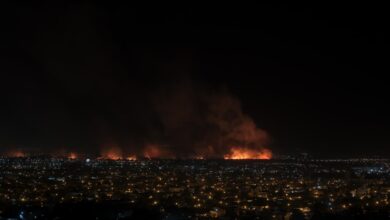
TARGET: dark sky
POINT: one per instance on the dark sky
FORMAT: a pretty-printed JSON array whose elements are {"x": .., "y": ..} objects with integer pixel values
[{"x": 83, "y": 75}]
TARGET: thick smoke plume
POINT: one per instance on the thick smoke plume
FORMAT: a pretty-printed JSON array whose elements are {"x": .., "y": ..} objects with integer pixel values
[
  {"x": 83, "y": 91},
  {"x": 185, "y": 120},
  {"x": 199, "y": 122}
]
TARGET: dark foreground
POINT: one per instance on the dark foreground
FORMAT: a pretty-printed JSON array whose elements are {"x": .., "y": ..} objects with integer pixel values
[{"x": 55, "y": 188}]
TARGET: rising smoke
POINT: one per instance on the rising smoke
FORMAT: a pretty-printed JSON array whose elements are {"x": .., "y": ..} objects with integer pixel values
[
  {"x": 184, "y": 120},
  {"x": 199, "y": 122},
  {"x": 82, "y": 95}
]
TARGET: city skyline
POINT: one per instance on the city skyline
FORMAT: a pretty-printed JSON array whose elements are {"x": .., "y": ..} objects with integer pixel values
[{"x": 294, "y": 188}]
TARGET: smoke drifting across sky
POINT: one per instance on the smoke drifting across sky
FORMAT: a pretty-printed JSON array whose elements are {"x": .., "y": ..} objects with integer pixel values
[
  {"x": 201, "y": 122},
  {"x": 182, "y": 120},
  {"x": 86, "y": 75},
  {"x": 80, "y": 89}
]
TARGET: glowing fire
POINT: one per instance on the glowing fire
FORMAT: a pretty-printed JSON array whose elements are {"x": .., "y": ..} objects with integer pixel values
[
  {"x": 242, "y": 153},
  {"x": 156, "y": 151},
  {"x": 152, "y": 151},
  {"x": 131, "y": 157},
  {"x": 16, "y": 153},
  {"x": 72, "y": 156},
  {"x": 113, "y": 153}
]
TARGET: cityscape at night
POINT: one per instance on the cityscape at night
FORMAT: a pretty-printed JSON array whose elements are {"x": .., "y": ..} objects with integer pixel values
[
  {"x": 171, "y": 111},
  {"x": 286, "y": 188}
]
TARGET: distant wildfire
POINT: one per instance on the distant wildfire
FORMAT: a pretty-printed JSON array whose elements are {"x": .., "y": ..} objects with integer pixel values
[
  {"x": 152, "y": 151},
  {"x": 181, "y": 121},
  {"x": 111, "y": 153},
  {"x": 193, "y": 122},
  {"x": 72, "y": 156},
  {"x": 115, "y": 153},
  {"x": 155, "y": 151},
  {"x": 242, "y": 153},
  {"x": 15, "y": 153},
  {"x": 197, "y": 122}
]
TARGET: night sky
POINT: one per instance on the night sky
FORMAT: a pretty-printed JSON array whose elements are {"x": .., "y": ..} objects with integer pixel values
[{"x": 88, "y": 75}]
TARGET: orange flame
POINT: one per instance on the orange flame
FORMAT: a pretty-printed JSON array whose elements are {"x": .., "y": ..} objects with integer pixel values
[
  {"x": 242, "y": 153},
  {"x": 131, "y": 157},
  {"x": 113, "y": 153},
  {"x": 72, "y": 156}
]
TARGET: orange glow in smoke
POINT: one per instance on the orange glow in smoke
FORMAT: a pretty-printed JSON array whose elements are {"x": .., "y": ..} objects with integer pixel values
[
  {"x": 152, "y": 151},
  {"x": 156, "y": 151},
  {"x": 72, "y": 156},
  {"x": 242, "y": 153},
  {"x": 113, "y": 153},
  {"x": 16, "y": 153},
  {"x": 131, "y": 157}
]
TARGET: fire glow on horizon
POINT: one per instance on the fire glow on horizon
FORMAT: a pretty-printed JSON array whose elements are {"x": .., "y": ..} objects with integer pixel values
[
  {"x": 131, "y": 157},
  {"x": 72, "y": 156},
  {"x": 111, "y": 153},
  {"x": 115, "y": 153},
  {"x": 242, "y": 153},
  {"x": 15, "y": 153}
]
